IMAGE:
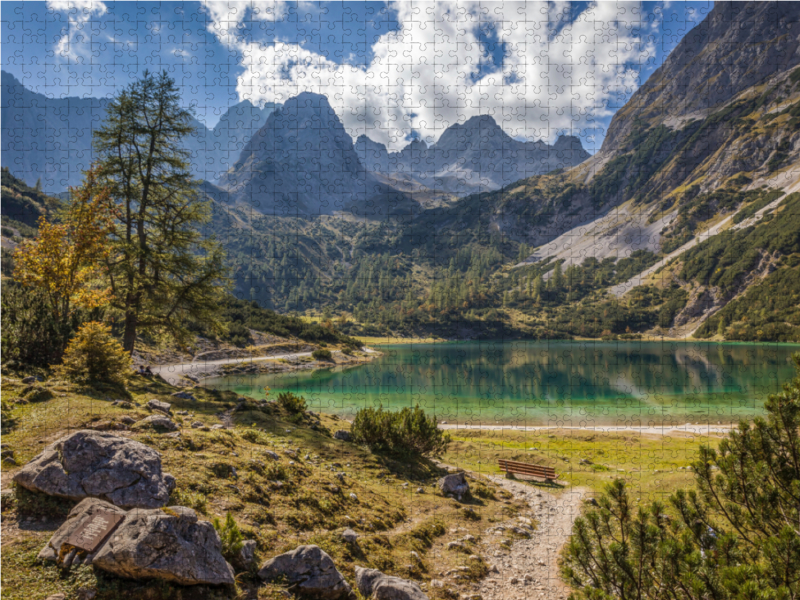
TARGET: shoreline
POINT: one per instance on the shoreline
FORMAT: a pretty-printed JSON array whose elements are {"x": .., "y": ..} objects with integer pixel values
[
  {"x": 200, "y": 370},
  {"x": 692, "y": 429}
]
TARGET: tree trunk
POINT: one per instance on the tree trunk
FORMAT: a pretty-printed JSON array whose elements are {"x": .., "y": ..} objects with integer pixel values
[{"x": 129, "y": 337}]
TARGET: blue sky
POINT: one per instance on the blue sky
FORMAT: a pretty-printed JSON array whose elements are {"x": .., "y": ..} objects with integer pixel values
[{"x": 391, "y": 71}]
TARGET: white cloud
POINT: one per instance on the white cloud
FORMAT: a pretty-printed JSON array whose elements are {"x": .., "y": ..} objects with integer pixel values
[
  {"x": 556, "y": 74},
  {"x": 75, "y": 40}
]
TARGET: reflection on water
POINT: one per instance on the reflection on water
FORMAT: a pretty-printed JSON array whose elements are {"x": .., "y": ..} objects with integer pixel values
[{"x": 553, "y": 383}]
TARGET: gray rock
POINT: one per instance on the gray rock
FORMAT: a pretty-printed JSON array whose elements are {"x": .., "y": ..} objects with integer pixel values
[
  {"x": 56, "y": 597},
  {"x": 349, "y": 536},
  {"x": 272, "y": 455},
  {"x": 164, "y": 407},
  {"x": 374, "y": 584},
  {"x": 343, "y": 435},
  {"x": 455, "y": 484},
  {"x": 183, "y": 395},
  {"x": 169, "y": 544},
  {"x": 157, "y": 422},
  {"x": 80, "y": 513},
  {"x": 247, "y": 555},
  {"x": 95, "y": 464},
  {"x": 32, "y": 379},
  {"x": 182, "y": 413},
  {"x": 197, "y": 425},
  {"x": 128, "y": 420},
  {"x": 309, "y": 571}
]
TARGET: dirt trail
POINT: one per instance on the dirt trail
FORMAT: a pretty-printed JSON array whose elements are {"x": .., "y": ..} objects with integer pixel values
[{"x": 530, "y": 570}]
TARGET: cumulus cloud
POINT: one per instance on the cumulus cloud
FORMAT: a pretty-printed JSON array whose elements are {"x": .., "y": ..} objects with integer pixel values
[
  {"x": 560, "y": 70},
  {"x": 74, "y": 40}
]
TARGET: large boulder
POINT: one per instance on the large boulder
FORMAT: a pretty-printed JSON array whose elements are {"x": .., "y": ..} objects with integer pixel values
[
  {"x": 96, "y": 464},
  {"x": 377, "y": 586},
  {"x": 309, "y": 571},
  {"x": 77, "y": 518},
  {"x": 343, "y": 435},
  {"x": 169, "y": 544},
  {"x": 454, "y": 484}
]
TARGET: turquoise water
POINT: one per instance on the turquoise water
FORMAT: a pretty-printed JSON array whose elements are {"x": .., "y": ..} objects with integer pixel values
[{"x": 562, "y": 383}]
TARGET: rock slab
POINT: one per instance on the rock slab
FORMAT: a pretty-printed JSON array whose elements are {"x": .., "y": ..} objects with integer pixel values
[
  {"x": 169, "y": 544},
  {"x": 377, "y": 586},
  {"x": 309, "y": 571},
  {"x": 96, "y": 464}
]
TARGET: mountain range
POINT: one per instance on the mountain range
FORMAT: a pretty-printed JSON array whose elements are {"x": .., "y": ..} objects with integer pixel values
[
  {"x": 471, "y": 157},
  {"x": 50, "y": 139}
]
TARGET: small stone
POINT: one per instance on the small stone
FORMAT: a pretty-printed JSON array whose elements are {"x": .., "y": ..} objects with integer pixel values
[
  {"x": 157, "y": 422},
  {"x": 272, "y": 455},
  {"x": 349, "y": 536},
  {"x": 182, "y": 412},
  {"x": 155, "y": 404},
  {"x": 420, "y": 490},
  {"x": 513, "y": 580},
  {"x": 128, "y": 420},
  {"x": 343, "y": 435},
  {"x": 456, "y": 546},
  {"x": 197, "y": 425},
  {"x": 353, "y": 497},
  {"x": 184, "y": 395},
  {"x": 217, "y": 426},
  {"x": 56, "y": 597},
  {"x": 32, "y": 379}
]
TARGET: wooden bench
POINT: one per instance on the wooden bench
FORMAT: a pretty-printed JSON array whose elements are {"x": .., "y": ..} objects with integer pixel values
[{"x": 521, "y": 468}]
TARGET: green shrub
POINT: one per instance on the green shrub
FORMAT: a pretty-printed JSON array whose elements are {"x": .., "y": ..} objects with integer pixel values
[
  {"x": 94, "y": 355},
  {"x": 230, "y": 536},
  {"x": 291, "y": 402},
  {"x": 407, "y": 431},
  {"x": 322, "y": 354}
]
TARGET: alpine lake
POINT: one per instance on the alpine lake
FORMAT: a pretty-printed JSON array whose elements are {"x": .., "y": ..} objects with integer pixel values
[{"x": 547, "y": 383}]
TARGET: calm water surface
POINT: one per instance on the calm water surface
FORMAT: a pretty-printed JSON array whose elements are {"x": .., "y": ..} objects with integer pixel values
[{"x": 549, "y": 383}]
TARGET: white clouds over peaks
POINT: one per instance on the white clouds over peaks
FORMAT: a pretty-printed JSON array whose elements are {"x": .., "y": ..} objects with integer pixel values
[
  {"x": 75, "y": 40},
  {"x": 559, "y": 70}
]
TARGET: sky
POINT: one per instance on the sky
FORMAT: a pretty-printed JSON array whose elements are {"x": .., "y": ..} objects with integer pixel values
[{"x": 393, "y": 71}]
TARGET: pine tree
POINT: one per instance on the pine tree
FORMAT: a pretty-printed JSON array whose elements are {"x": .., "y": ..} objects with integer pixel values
[
  {"x": 735, "y": 537},
  {"x": 162, "y": 272}
]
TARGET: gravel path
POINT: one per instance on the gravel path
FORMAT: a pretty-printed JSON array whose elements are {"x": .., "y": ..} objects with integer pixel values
[{"x": 530, "y": 570}]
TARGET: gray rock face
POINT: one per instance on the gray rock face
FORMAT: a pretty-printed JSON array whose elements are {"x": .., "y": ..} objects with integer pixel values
[
  {"x": 455, "y": 484},
  {"x": 342, "y": 435},
  {"x": 307, "y": 131},
  {"x": 374, "y": 584},
  {"x": 95, "y": 464},
  {"x": 164, "y": 407},
  {"x": 169, "y": 544},
  {"x": 157, "y": 422},
  {"x": 184, "y": 395},
  {"x": 309, "y": 572},
  {"x": 79, "y": 515}
]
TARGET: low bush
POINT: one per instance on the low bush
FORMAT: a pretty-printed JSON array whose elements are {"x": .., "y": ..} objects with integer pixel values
[
  {"x": 94, "y": 355},
  {"x": 407, "y": 431},
  {"x": 322, "y": 354},
  {"x": 292, "y": 402}
]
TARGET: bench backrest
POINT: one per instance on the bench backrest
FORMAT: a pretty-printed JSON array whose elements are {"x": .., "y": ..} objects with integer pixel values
[{"x": 527, "y": 469}]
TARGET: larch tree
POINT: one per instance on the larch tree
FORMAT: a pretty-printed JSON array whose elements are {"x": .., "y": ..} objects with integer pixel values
[
  {"x": 63, "y": 262},
  {"x": 163, "y": 273}
]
